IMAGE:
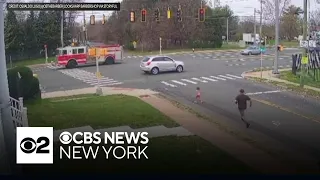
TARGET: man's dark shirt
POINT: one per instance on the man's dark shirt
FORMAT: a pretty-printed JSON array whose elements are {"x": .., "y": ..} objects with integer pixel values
[{"x": 242, "y": 101}]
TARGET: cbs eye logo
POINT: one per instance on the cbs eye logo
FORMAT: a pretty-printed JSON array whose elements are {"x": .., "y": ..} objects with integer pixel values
[
  {"x": 65, "y": 137},
  {"x": 29, "y": 145}
]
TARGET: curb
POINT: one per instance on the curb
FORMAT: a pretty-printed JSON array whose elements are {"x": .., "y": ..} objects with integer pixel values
[{"x": 243, "y": 75}]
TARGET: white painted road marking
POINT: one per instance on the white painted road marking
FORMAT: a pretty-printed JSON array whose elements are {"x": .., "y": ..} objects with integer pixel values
[
  {"x": 187, "y": 80},
  {"x": 225, "y": 77},
  {"x": 168, "y": 84},
  {"x": 178, "y": 82},
  {"x": 218, "y": 78},
  {"x": 265, "y": 92},
  {"x": 234, "y": 76},
  {"x": 197, "y": 79},
  {"x": 208, "y": 79}
]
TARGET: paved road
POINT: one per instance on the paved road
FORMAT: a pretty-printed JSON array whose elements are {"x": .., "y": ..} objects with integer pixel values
[{"x": 291, "y": 120}]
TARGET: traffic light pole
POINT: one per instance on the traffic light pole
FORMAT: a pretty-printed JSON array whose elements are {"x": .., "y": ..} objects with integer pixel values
[
  {"x": 160, "y": 45},
  {"x": 304, "y": 53},
  {"x": 227, "y": 30},
  {"x": 275, "y": 63}
]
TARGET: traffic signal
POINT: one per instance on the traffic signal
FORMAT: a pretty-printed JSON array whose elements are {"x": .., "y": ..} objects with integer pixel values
[
  {"x": 92, "y": 19},
  {"x": 103, "y": 19},
  {"x": 143, "y": 15},
  {"x": 157, "y": 14},
  {"x": 132, "y": 16},
  {"x": 201, "y": 14},
  {"x": 168, "y": 13},
  {"x": 179, "y": 14}
]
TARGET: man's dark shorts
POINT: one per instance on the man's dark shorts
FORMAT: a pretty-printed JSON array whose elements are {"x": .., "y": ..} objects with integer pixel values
[{"x": 241, "y": 111}]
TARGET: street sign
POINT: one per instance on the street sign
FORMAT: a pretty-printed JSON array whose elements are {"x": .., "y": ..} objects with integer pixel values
[
  {"x": 304, "y": 60},
  {"x": 304, "y": 44}
]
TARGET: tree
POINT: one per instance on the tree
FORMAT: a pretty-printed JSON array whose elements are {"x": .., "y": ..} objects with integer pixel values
[
  {"x": 30, "y": 40},
  {"x": 268, "y": 9},
  {"x": 13, "y": 36},
  {"x": 290, "y": 22}
]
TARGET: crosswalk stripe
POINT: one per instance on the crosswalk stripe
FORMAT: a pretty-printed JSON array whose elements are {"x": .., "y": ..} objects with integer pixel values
[
  {"x": 187, "y": 80},
  {"x": 178, "y": 82},
  {"x": 197, "y": 79},
  {"x": 112, "y": 84},
  {"x": 208, "y": 79},
  {"x": 218, "y": 78},
  {"x": 234, "y": 76},
  {"x": 225, "y": 77},
  {"x": 168, "y": 84},
  {"x": 101, "y": 82}
]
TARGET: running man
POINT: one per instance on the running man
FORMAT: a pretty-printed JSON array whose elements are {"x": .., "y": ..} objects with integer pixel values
[{"x": 241, "y": 100}]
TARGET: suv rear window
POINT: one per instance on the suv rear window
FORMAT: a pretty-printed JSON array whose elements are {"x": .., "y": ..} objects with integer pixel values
[{"x": 145, "y": 59}]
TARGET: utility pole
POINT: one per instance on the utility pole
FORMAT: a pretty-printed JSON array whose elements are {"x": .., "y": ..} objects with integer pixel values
[
  {"x": 254, "y": 25},
  {"x": 304, "y": 52},
  {"x": 61, "y": 28},
  {"x": 5, "y": 108},
  {"x": 227, "y": 30},
  {"x": 275, "y": 63},
  {"x": 85, "y": 34},
  {"x": 260, "y": 39}
]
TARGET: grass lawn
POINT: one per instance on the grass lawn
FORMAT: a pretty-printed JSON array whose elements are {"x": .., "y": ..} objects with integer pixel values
[
  {"x": 96, "y": 111},
  {"x": 31, "y": 62},
  {"x": 224, "y": 47},
  {"x": 308, "y": 80},
  {"x": 170, "y": 154}
]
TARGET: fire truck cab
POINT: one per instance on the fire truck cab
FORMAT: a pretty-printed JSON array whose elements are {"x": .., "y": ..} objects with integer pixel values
[{"x": 72, "y": 56}]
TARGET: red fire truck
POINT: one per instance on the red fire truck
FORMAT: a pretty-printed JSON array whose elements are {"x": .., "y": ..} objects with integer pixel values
[{"x": 72, "y": 56}]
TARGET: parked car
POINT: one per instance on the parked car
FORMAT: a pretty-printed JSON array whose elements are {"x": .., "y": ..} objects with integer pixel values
[
  {"x": 251, "y": 50},
  {"x": 156, "y": 64}
]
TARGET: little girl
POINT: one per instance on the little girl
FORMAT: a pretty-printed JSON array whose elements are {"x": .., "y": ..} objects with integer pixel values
[{"x": 198, "y": 96}]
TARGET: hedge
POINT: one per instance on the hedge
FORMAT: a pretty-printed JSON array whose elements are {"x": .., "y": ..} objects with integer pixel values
[{"x": 22, "y": 83}]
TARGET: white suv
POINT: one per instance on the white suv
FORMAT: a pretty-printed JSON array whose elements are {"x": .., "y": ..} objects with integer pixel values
[{"x": 156, "y": 64}]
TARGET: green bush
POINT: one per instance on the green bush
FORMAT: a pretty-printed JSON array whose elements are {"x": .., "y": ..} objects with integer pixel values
[
  {"x": 34, "y": 91},
  {"x": 26, "y": 86},
  {"x": 13, "y": 81}
]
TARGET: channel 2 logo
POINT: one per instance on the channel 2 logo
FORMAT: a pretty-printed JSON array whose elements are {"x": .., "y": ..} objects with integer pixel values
[{"x": 34, "y": 145}]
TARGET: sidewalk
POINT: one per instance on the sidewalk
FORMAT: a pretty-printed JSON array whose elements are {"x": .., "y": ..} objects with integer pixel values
[
  {"x": 271, "y": 77},
  {"x": 255, "y": 158}
]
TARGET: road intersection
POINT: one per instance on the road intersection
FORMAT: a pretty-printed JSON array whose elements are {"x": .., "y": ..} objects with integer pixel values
[{"x": 285, "y": 117}]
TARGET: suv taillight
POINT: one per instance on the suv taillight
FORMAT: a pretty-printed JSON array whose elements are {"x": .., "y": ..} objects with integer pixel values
[{"x": 148, "y": 63}]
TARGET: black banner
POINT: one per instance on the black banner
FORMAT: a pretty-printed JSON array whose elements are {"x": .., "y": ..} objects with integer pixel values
[{"x": 64, "y": 6}]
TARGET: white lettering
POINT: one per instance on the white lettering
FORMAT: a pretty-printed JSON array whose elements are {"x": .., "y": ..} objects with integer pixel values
[
  {"x": 144, "y": 136},
  {"x": 129, "y": 152},
  {"x": 76, "y": 152},
  {"x": 107, "y": 151},
  {"x": 119, "y": 138},
  {"x": 142, "y": 152},
  {"x": 132, "y": 137},
  {"x": 87, "y": 137},
  {"x": 96, "y": 137},
  {"x": 115, "y": 149},
  {"x": 63, "y": 151},
  {"x": 90, "y": 151},
  {"x": 74, "y": 138},
  {"x": 107, "y": 138}
]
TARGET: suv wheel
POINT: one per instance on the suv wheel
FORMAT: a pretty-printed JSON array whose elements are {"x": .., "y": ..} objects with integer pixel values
[
  {"x": 155, "y": 71},
  {"x": 179, "y": 69}
]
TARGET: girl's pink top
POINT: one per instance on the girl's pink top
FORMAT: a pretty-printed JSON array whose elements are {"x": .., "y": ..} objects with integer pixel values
[{"x": 198, "y": 93}]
